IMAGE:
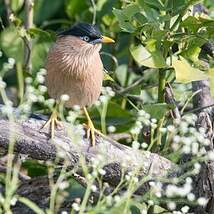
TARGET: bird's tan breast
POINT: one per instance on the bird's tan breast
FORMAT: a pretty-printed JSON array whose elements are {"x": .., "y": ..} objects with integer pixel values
[{"x": 79, "y": 76}]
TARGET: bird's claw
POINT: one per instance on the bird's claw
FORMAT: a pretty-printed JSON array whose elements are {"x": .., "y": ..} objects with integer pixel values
[
  {"x": 90, "y": 133},
  {"x": 52, "y": 122}
]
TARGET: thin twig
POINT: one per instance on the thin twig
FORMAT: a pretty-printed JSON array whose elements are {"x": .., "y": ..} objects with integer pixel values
[
  {"x": 28, "y": 24},
  {"x": 94, "y": 12}
]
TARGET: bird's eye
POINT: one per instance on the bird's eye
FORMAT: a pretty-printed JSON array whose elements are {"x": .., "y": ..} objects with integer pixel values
[{"x": 85, "y": 38}]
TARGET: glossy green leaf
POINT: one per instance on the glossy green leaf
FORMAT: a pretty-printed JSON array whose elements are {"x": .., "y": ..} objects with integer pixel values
[
  {"x": 158, "y": 110},
  {"x": 144, "y": 58},
  {"x": 124, "y": 21},
  {"x": 185, "y": 73}
]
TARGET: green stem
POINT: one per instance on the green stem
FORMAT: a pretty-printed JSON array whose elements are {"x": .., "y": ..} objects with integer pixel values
[{"x": 161, "y": 85}]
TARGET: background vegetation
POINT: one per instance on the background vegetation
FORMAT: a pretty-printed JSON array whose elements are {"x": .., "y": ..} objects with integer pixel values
[{"x": 157, "y": 43}]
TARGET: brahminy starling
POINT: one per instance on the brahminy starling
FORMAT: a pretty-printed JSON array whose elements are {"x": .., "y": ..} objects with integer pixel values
[{"x": 74, "y": 67}]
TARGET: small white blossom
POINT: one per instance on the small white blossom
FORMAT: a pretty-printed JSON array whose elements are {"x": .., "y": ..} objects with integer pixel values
[
  {"x": 40, "y": 78},
  {"x": 13, "y": 201},
  {"x": 93, "y": 188},
  {"x": 63, "y": 185},
  {"x": 191, "y": 197},
  {"x": 202, "y": 201},
  {"x": 64, "y": 97},
  {"x": 111, "y": 129},
  {"x": 42, "y": 71},
  {"x": 42, "y": 88},
  {"x": 11, "y": 61},
  {"x": 117, "y": 198},
  {"x": 28, "y": 80},
  {"x": 185, "y": 209},
  {"x": 75, "y": 206},
  {"x": 171, "y": 205},
  {"x": 135, "y": 144},
  {"x": 144, "y": 145},
  {"x": 151, "y": 202},
  {"x": 102, "y": 171}
]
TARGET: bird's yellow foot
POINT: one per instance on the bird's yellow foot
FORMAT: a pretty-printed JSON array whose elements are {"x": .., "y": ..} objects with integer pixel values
[
  {"x": 52, "y": 122},
  {"x": 91, "y": 132}
]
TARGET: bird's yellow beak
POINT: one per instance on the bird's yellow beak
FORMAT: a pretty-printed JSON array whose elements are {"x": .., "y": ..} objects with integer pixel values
[{"x": 106, "y": 39}]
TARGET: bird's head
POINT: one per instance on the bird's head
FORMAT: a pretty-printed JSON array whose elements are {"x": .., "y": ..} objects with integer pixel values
[{"x": 88, "y": 33}]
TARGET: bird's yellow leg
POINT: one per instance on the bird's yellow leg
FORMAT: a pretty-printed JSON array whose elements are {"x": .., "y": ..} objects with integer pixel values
[
  {"x": 90, "y": 128},
  {"x": 52, "y": 122}
]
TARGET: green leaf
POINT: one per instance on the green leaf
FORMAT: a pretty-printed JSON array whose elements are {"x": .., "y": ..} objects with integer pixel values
[
  {"x": 107, "y": 77},
  {"x": 185, "y": 73},
  {"x": 158, "y": 110},
  {"x": 143, "y": 57},
  {"x": 16, "y": 4},
  {"x": 11, "y": 43},
  {"x": 124, "y": 21},
  {"x": 74, "y": 7},
  {"x": 121, "y": 73}
]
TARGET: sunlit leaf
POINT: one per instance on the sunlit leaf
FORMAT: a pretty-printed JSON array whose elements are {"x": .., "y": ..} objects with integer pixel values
[
  {"x": 143, "y": 57},
  {"x": 16, "y": 4},
  {"x": 158, "y": 110},
  {"x": 185, "y": 73},
  {"x": 107, "y": 77}
]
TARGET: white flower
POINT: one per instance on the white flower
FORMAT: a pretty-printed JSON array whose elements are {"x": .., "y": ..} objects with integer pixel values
[
  {"x": 28, "y": 80},
  {"x": 127, "y": 177},
  {"x": 42, "y": 88},
  {"x": 13, "y": 201},
  {"x": 116, "y": 198},
  {"x": 151, "y": 202},
  {"x": 103, "y": 99},
  {"x": 63, "y": 185},
  {"x": 171, "y": 128},
  {"x": 197, "y": 167},
  {"x": 11, "y": 61},
  {"x": 64, "y": 97},
  {"x": 135, "y": 179},
  {"x": 40, "y": 78},
  {"x": 64, "y": 212},
  {"x": 154, "y": 120},
  {"x": 185, "y": 209},
  {"x": 144, "y": 145},
  {"x": 1, "y": 54},
  {"x": 33, "y": 98},
  {"x": 202, "y": 201},
  {"x": 93, "y": 188},
  {"x": 42, "y": 71},
  {"x": 102, "y": 171},
  {"x": 111, "y": 129},
  {"x": 75, "y": 206},
  {"x": 191, "y": 197},
  {"x": 171, "y": 205},
  {"x": 135, "y": 144}
]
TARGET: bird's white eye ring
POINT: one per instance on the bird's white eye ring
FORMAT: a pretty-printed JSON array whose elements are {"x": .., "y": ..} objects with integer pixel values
[{"x": 85, "y": 38}]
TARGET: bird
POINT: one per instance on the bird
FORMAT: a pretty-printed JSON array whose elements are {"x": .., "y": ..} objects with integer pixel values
[{"x": 74, "y": 68}]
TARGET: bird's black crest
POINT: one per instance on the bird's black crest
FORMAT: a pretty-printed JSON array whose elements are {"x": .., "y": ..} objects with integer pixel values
[{"x": 83, "y": 29}]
